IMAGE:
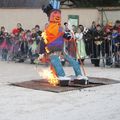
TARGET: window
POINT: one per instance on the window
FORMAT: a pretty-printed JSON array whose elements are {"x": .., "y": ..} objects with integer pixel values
[{"x": 73, "y": 20}]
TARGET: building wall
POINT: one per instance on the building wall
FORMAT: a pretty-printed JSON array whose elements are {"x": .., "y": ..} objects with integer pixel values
[
  {"x": 86, "y": 16},
  {"x": 30, "y": 17},
  {"x": 111, "y": 16}
]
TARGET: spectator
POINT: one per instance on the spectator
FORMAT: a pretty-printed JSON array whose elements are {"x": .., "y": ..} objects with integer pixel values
[
  {"x": 116, "y": 45},
  {"x": 5, "y": 43},
  {"x": 98, "y": 38},
  {"x": 81, "y": 53},
  {"x": 107, "y": 43},
  {"x": 19, "y": 27},
  {"x": 117, "y": 25},
  {"x": 71, "y": 43}
]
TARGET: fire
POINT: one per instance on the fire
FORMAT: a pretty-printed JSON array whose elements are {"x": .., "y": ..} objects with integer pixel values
[
  {"x": 44, "y": 36},
  {"x": 52, "y": 78},
  {"x": 49, "y": 75}
]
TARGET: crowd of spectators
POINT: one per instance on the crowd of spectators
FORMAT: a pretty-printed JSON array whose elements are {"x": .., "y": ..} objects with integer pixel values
[{"x": 97, "y": 43}]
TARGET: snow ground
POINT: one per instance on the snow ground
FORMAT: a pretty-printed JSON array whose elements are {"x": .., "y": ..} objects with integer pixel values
[{"x": 88, "y": 104}]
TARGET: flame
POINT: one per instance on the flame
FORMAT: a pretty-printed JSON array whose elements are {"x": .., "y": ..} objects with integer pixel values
[
  {"x": 44, "y": 36},
  {"x": 49, "y": 75},
  {"x": 46, "y": 48},
  {"x": 52, "y": 78}
]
